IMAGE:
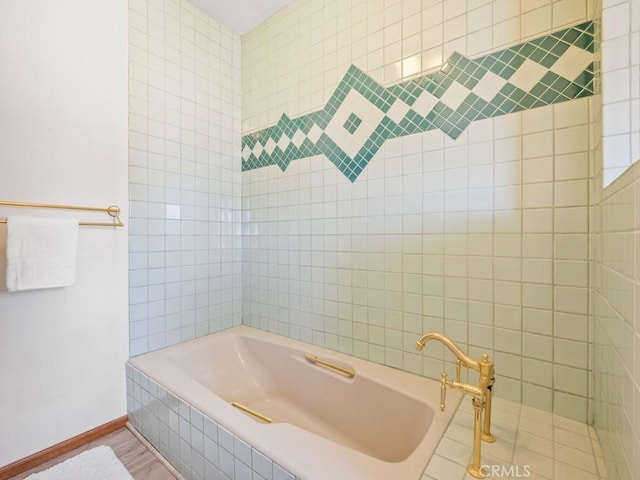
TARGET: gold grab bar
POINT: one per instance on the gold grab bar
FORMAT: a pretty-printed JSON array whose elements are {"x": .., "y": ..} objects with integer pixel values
[
  {"x": 112, "y": 210},
  {"x": 248, "y": 410},
  {"x": 349, "y": 372}
]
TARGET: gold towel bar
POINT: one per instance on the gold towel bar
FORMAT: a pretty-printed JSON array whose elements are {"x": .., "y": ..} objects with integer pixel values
[
  {"x": 349, "y": 372},
  {"x": 248, "y": 410},
  {"x": 113, "y": 211}
]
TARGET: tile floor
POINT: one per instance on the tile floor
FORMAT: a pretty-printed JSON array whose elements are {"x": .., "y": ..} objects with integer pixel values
[{"x": 531, "y": 444}]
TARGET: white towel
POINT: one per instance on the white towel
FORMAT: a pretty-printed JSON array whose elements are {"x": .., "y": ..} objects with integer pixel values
[{"x": 41, "y": 252}]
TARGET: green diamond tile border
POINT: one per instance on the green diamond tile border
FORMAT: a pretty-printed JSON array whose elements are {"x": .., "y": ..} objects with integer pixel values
[
  {"x": 352, "y": 123},
  {"x": 422, "y": 104}
]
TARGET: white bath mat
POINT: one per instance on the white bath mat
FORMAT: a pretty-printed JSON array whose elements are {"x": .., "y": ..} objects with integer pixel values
[{"x": 99, "y": 463}]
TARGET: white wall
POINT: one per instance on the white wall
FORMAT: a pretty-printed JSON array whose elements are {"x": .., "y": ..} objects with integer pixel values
[{"x": 63, "y": 139}]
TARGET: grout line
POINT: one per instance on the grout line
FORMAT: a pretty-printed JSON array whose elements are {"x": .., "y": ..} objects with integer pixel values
[{"x": 155, "y": 453}]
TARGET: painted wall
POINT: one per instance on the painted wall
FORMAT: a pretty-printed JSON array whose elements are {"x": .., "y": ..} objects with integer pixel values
[
  {"x": 184, "y": 175},
  {"x": 482, "y": 237},
  {"x": 63, "y": 137}
]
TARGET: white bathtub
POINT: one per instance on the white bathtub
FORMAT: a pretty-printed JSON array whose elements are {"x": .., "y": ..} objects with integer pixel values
[{"x": 381, "y": 424}]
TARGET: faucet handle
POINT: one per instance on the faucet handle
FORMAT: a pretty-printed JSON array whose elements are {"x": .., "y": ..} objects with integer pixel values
[{"x": 443, "y": 390}]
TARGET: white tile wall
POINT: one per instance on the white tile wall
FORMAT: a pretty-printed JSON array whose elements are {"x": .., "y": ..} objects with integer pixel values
[
  {"x": 614, "y": 272},
  {"x": 293, "y": 62},
  {"x": 616, "y": 292},
  {"x": 620, "y": 85},
  {"x": 185, "y": 181},
  {"x": 483, "y": 238}
]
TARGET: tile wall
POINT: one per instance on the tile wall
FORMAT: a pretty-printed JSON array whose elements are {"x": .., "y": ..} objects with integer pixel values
[
  {"x": 615, "y": 302},
  {"x": 483, "y": 237},
  {"x": 198, "y": 447},
  {"x": 362, "y": 115},
  {"x": 185, "y": 180},
  {"x": 615, "y": 277},
  {"x": 531, "y": 443},
  {"x": 620, "y": 85}
]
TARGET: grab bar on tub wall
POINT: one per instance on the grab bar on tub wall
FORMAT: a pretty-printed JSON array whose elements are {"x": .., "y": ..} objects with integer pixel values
[
  {"x": 349, "y": 372},
  {"x": 250, "y": 411}
]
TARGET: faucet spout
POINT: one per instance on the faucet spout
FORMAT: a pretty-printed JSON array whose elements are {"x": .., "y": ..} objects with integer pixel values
[
  {"x": 466, "y": 360},
  {"x": 481, "y": 394}
]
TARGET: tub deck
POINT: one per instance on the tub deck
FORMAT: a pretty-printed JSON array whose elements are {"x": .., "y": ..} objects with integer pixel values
[{"x": 380, "y": 424}]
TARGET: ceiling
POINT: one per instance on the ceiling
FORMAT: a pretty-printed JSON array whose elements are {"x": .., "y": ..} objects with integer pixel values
[{"x": 241, "y": 15}]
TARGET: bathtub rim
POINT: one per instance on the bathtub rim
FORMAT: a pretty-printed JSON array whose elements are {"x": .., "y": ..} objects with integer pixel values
[{"x": 308, "y": 462}]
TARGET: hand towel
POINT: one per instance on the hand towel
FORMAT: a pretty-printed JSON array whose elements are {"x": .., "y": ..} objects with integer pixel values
[{"x": 41, "y": 252}]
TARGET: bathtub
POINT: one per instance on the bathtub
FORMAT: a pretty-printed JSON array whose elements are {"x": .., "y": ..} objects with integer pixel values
[{"x": 380, "y": 423}]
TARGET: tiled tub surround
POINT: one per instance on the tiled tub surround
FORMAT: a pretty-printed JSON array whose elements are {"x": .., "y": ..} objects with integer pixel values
[
  {"x": 198, "y": 447},
  {"x": 620, "y": 86},
  {"x": 380, "y": 424},
  {"x": 531, "y": 443},
  {"x": 616, "y": 302},
  {"x": 551, "y": 447},
  {"x": 361, "y": 114},
  {"x": 483, "y": 238},
  {"x": 184, "y": 177}
]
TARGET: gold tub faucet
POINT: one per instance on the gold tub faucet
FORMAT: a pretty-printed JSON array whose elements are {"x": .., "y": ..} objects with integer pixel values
[{"x": 480, "y": 393}]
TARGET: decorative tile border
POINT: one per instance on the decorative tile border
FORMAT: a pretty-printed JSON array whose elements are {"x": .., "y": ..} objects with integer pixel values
[
  {"x": 361, "y": 114},
  {"x": 198, "y": 447}
]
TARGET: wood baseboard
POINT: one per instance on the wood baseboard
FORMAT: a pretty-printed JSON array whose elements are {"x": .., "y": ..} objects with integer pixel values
[{"x": 61, "y": 448}]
